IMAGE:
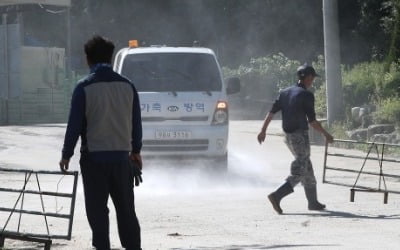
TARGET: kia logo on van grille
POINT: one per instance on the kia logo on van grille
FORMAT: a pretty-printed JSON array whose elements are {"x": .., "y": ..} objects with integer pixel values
[{"x": 173, "y": 108}]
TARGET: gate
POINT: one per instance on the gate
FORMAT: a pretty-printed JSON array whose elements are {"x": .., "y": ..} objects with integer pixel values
[
  {"x": 11, "y": 177},
  {"x": 353, "y": 168}
]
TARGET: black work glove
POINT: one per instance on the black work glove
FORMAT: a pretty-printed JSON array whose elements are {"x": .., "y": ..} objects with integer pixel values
[{"x": 137, "y": 173}]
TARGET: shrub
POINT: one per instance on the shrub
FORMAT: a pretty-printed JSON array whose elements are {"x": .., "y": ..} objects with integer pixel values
[
  {"x": 320, "y": 101},
  {"x": 359, "y": 83},
  {"x": 369, "y": 82},
  {"x": 263, "y": 77},
  {"x": 391, "y": 86},
  {"x": 388, "y": 111}
]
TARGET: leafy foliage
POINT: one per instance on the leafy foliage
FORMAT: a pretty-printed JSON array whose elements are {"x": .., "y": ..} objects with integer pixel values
[
  {"x": 392, "y": 24},
  {"x": 359, "y": 83},
  {"x": 368, "y": 82},
  {"x": 363, "y": 84},
  {"x": 320, "y": 101},
  {"x": 388, "y": 111},
  {"x": 263, "y": 77}
]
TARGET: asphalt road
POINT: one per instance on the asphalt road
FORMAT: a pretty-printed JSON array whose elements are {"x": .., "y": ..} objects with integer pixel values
[{"x": 192, "y": 207}]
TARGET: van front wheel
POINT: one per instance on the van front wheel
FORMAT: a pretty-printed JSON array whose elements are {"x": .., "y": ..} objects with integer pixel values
[{"x": 221, "y": 163}]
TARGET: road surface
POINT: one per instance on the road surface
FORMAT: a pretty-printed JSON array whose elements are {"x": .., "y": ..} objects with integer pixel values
[{"x": 192, "y": 207}]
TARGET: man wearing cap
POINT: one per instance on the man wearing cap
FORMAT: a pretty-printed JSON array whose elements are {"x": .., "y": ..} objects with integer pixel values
[{"x": 297, "y": 106}]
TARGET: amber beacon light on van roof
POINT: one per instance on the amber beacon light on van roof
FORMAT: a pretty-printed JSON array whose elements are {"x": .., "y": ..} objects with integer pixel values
[{"x": 133, "y": 43}]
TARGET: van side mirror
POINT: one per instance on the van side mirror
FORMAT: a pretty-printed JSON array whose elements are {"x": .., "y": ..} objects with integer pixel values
[{"x": 232, "y": 85}]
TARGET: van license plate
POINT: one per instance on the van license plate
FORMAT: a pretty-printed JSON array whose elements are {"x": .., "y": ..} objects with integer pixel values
[{"x": 173, "y": 134}]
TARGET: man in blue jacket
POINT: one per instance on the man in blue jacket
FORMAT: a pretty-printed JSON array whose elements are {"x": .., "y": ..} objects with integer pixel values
[
  {"x": 297, "y": 106},
  {"x": 105, "y": 113}
]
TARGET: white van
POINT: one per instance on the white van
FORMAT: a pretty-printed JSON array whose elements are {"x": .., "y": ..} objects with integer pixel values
[{"x": 183, "y": 100}]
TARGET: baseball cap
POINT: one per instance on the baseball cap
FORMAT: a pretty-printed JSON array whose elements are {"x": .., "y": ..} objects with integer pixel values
[{"x": 306, "y": 70}]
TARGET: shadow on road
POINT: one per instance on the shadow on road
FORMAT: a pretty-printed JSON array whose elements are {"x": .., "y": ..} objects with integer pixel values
[
  {"x": 257, "y": 246},
  {"x": 341, "y": 214}
]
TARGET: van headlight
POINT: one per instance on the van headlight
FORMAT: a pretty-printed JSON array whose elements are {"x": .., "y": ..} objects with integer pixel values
[{"x": 221, "y": 113}]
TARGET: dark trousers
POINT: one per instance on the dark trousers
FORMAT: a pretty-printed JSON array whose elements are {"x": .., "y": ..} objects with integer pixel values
[{"x": 115, "y": 179}]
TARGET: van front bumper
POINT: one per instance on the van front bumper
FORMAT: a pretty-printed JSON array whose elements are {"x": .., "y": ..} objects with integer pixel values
[{"x": 196, "y": 140}]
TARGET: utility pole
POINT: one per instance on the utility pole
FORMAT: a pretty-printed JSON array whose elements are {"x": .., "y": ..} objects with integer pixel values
[
  {"x": 333, "y": 74},
  {"x": 68, "y": 45},
  {"x": 7, "y": 67}
]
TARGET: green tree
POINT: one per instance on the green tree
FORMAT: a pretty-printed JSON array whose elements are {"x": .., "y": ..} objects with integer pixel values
[{"x": 394, "y": 22}]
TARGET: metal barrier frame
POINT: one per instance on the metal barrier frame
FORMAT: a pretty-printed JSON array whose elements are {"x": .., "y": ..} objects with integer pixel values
[
  {"x": 41, "y": 238},
  {"x": 380, "y": 158}
]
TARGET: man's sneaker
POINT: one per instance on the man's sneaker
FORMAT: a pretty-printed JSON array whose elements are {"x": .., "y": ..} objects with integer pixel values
[{"x": 275, "y": 203}]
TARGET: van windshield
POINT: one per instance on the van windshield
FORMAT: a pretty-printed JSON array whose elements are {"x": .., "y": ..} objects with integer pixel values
[{"x": 164, "y": 72}]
